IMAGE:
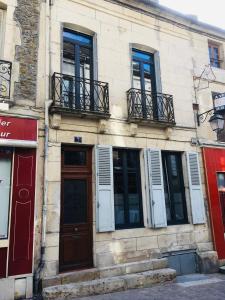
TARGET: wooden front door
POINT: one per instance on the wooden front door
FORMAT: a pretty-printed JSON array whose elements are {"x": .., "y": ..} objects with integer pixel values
[{"x": 76, "y": 209}]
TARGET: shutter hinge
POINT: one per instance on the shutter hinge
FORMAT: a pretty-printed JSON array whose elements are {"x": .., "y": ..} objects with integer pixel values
[{"x": 98, "y": 205}]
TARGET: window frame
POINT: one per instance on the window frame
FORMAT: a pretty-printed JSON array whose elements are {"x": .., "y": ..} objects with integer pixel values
[
  {"x": 125, "y": 172},
  {"x": 212, "y": 59},
  {"x": 221, "y": 203},
  {"x": 141, "y": 62},
  {"x": 8, "y": 153},
  {"x": 77, "y": 47},
  {"x": 166, "y": 181},
  {"x": 76, "y": 79}
]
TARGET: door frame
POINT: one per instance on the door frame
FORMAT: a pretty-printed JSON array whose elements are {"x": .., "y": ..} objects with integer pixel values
[{"x": 78, "y": 172}]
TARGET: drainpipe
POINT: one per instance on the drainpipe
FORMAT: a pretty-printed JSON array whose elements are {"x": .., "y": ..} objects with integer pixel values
[{"x": 38, "y": 275}]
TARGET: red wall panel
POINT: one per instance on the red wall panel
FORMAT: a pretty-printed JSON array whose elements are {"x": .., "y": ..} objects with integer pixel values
[
  {"x": 3, "y": 260},
  {"x": 22, "y": 216},
  {"x": 214, "y": 161}
]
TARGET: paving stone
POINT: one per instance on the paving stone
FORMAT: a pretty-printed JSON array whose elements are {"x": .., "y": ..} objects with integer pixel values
[{"x": 214, "y": 290}]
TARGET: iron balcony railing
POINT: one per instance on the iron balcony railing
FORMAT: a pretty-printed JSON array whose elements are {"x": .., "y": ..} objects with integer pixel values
[
  {"x": 76, "y": 94},
  {"x": 5, "y": 79},
  {"x": 145, "y": 105}
]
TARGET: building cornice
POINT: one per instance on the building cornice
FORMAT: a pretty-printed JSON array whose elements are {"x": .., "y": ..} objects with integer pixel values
[{"x": 173, "y": 17}]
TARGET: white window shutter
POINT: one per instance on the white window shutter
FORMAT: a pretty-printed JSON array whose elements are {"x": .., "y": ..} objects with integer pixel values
[
  {"x": 197, "y": 201},
  {"x": 155, "y": 188},
  {"x": 104, "y": 189}
]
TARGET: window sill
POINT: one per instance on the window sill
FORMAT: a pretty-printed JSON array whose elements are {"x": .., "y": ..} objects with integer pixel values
[
  {"x": 178, "y": 223},
  {"x": 130, "y": 227}
]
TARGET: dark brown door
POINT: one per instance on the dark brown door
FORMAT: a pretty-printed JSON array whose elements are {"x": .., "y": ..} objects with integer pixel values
[{"x": 76, "y": 209}]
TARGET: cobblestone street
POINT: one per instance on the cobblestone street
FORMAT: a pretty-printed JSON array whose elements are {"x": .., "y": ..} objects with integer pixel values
[{"x": 194, "y": 287}]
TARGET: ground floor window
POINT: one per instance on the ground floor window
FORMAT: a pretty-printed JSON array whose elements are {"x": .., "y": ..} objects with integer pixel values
[
  {"x": 221, "y": 189},
  {"x": 5, "y": 189},
  {"x": 127, "y": 189},
  {"x": 174, "y": 189}
]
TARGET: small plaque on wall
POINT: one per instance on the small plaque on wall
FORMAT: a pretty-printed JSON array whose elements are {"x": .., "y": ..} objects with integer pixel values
[{"x": 78, "y": 139}]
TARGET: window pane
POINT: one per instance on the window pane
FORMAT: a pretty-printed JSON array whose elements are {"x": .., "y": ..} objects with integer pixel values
[
  {"x": 221, "y": 181},
  {"x": 221, "y": 188},
  {"x": 136, "y": 75},
  {"x": 139, "y": 55},
  {"x": 5, "y": 185},
  {"x": 117, "y": 159},
  {"x": 133, "y": 199},
  {"x": 127, "y": 188},
  {"x": 76, "y": 37},
  {"x": 147, "y": 77},
  {"x": 174, "y": 188},
  {"x": 85, "y": 62},
  {"x": 119, "y": 199},
  {"x": 166, "y": 191},
  {"x": 75, "y": 201},
  {"x": 68, "y": 66},
  {"x": 75, "y": 158},
  {"x": 132, "y": 159}
]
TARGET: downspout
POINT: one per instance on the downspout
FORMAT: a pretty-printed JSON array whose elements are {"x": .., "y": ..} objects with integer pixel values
[{"x": 38, "y": 273}]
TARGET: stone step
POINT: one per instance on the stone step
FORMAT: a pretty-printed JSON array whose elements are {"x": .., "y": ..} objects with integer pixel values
[
  {"x": 108, "y": 285},
  {"x": 222, "y": 269},
  {"x": 117, "y": 270}
]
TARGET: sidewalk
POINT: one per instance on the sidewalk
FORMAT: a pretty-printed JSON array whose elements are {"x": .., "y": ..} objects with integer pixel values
[{"x": 194, "y": 287}]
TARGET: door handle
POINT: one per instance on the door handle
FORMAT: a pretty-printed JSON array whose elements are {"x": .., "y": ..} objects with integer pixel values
[{"x": 75, "y": 229}]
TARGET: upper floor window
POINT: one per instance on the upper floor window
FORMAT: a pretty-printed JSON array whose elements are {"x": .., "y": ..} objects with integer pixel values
[
  {"x": 77, "y": 54},
  {"x": 214, "y": 55},
  {"x": 174, "y": 188},
  {"x": 77, "y": 63},
  {"x": 75, "y": 90},
  {"x": 143, "y": 71}
]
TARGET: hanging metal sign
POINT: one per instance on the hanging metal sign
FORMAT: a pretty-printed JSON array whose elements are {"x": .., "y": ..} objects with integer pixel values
[{"x": 219, "y": 101}]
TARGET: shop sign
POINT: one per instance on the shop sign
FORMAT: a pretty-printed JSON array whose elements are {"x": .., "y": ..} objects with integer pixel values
[
  {"x": 12, "y": 128},
  {"x": 219, "y": 101}
]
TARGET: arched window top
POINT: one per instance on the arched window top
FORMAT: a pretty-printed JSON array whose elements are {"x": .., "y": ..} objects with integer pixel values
[
  {"x": 142, "y": 47},
  {"x": 78, "y": 28}
]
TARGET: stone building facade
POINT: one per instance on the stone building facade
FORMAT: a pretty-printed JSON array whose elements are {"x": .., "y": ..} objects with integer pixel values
[
  {"x": 123, "y": 36},
  {"x": 114, "y": 87}
]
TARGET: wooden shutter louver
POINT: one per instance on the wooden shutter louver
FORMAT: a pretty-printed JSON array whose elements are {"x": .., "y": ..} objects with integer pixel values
[
  {"x": 197, "y": 201},
  {"x": 104, "y": 189},
  {"x": 155, "y": 189}
]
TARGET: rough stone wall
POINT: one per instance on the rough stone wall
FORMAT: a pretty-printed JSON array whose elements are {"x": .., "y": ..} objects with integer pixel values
[{"x": 27, "y": 15}]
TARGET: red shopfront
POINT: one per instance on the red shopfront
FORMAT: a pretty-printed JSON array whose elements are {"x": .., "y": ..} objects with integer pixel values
[
  {"x": 214, "y": 162},
  {"x": 18, "y": 141}
]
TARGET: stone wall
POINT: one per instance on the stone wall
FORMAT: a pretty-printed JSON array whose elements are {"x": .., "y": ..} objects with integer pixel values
[{"x": 27, "y": 15}]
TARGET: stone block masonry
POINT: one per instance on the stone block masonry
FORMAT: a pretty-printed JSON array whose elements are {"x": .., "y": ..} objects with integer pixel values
[{"x": 27, "y": 15}]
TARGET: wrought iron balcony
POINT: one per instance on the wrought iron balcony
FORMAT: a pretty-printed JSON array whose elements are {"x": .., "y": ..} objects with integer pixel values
[
  {"x": 80, "y": 95},
  {"x": 150, "y": 107},
  {"x": 5, "y": 79}
]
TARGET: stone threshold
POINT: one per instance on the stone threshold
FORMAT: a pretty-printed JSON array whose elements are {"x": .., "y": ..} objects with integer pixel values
[
  {"x": 99, "y": 273},
  {"x": 108, "y": 285}
]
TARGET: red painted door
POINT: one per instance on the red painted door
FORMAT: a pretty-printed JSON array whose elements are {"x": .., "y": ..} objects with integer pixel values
[
  {"x": 214, "y": 161},
  {"x": 22, "y": 215}
]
